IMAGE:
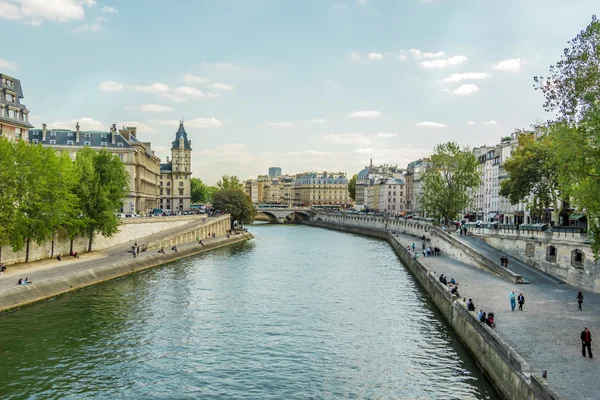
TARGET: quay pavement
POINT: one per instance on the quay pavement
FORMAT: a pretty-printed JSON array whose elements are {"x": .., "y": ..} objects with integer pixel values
[{"x": 547, "y": 332}]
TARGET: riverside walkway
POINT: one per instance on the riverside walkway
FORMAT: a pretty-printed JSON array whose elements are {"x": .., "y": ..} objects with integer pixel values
[
  {"x": 546, "y": 333},
  {"x": 51, "y": 268}
]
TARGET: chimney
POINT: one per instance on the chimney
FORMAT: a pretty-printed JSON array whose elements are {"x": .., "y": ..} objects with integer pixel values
[
  {"x": 44, "y": 126},
  {"x": 78, "y": 135},
  {"x": 133, "y": 130},
  {"x": 113, "y": 133}
]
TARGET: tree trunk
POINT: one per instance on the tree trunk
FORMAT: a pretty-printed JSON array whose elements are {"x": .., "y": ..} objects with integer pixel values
[
  {"x": 27, "y": 251},
  {"x": 52, "y": 251},
  {"x": 71, "y": 249},
  {"x": 0, "y": 254},
  {"x": 91, "y": 238}
]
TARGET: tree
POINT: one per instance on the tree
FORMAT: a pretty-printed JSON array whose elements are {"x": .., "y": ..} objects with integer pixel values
[
  {"x": 236, "y": 203},
  {"x": 198, "y": 191},
  {"x": 101, "y": 189},
  {"x": 352, "y": 187},
  {"x": 8, "y": 192},
  {"x": 229, "y": 182},
  {"x": 573, "y": 84},
  {"x": 534, "y": 173},
  {"x": 210, "y": 193},
  {"x": 448, "y": 180}
]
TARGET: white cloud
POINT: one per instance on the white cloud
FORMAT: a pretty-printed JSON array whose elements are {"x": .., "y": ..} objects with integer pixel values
[
  {"x": 470, "y": 123},
  {"x": 93, "y": 27},
  {"x": 110, "y": 86},
  {"x": 428, "y": 124},
  {"x": 111, "y": 10},
  {"x": 213, "y": 94},
  {"x": 439, "y": 54},
  {"x": 85, "y": 124},
  {"x": 319, "y": 121},
  {"x": 375, "y": 56},
  {"x": 513, "y": 65},
  {"x": 415, "y": 52},
  {"x": 443, "y": 63},
  {"x": 466, "y": 90},
  {"x": 402, "y": 57},
  {"x": 189, "y": 78},
  {"x": 355, "y": 57},
  {"x": 199, "y": 123},
  {"x": 151, "y": 108},
  {"x": 386, "y": 135},
  {"x": 188, "y": 91},
  {"x": 466, "y": 76},
  {"x": 141, "y": 127},
  {"x": 347, "y": 138},
  {"x": 492, "y": 122},
  {"x": 364, "y": 114},
  {"x": 8, "y": 65},
  {"x": 154, "y": 88},
  {"x": 223, "y": 86},
  {"x": 280, "y": 124},
  {"x": 34, "y": 11}
]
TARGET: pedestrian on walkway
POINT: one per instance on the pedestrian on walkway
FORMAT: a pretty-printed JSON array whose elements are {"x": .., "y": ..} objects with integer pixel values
[
  {"x": 580, "y": 300},
  {"x": 513, "y": 297},
  {"x": 521, "y": 301},
  {"x": 413, "y": 246},
  {"x": 586, "y": 341}
]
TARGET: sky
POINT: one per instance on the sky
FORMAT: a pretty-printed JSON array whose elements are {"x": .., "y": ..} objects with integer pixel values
[{"x": 305, "y": 85}]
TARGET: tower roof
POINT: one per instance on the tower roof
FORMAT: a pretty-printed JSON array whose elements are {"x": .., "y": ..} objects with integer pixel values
[{"x": 181, "y": 133}]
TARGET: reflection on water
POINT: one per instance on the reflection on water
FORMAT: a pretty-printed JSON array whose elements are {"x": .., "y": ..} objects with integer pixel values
[{"x": 296, "y": 313}]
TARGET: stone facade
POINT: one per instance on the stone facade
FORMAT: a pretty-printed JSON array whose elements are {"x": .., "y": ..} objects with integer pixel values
[
  {"x": 175, "y": 175},
  {"x": 14, "y": 116},
  {"x": 324, "y": 188}
]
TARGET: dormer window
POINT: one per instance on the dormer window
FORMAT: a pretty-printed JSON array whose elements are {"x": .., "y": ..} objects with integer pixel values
[
  {"x": 69, "y": 143},
  {"x": 86, "y": 143},
  {"x": 87, "y": 135},
  {"x": 36, "y": 133},
  {"x": 103, "y": 136},
  {"x": 103, "y": 144},
  {"x": 53, "y": 142},
  {"x": 70, "y": 134},
  {"x": 34, "y": 141},
  {"x": 52, "y": 133},
  {"x": 120, "y": 144}
]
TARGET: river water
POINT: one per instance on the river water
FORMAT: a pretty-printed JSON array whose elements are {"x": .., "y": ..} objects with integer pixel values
[{"x": 297, "y": 313}]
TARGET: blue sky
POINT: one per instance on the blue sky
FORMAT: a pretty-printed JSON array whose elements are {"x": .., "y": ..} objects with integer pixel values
[{"x": 304, "y": 85}]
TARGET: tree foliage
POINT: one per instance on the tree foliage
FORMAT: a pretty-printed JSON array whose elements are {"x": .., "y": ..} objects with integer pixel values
[
  {"x": 198, "y": 191},
  {"x": 448, "y": 180},
  {"x": 352, "y": 187},
  {"x": 229, "y": 182},
  {"x": 534, "y": 176},
  {"x": 236, "y": 203},
  {"x": 573, "y": 83}
]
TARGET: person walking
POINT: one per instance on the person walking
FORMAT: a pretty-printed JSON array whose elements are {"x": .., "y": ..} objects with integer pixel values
[
  {"x": 580, "y": 300},
  {"x": 513, "y": 297},
  {"x": 521, "y": 301},
  {"x": 586, "y": 341},
  {"x": 413, "y": 246}
]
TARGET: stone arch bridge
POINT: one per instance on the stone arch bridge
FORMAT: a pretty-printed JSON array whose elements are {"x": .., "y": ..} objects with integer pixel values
[{"x": 281, "y": 215}]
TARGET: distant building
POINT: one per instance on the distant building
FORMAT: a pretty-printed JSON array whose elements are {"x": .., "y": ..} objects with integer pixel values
[
  {"x": 251, "y": 190},
  {"x": 14, "y": 116},
  {"x": 138, "y": 158},
  {"x": 274, "y": 172},
  {"x": 414, "y": 184},
  {"x": 324, "y": 188},
  {"x": 372, "y": 175},
  {"x": 176, "y": 174},
  {"x": 391, "y": 196}
]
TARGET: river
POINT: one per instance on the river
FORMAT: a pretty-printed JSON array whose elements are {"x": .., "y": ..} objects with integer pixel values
[{"x": 297, "y": 313}]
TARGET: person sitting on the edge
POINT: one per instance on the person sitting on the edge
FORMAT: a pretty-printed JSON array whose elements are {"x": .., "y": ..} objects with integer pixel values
[
  {"x": 481, "y": 316},
  {"x": 20, "y": 281},
  {"x": 470, "y": 305},
  {"x": 27, "y": 280},
  {"x": 452, "y": 281}
]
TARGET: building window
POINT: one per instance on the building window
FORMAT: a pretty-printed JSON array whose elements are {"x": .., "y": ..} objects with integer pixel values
[
  {"x": 103, "y": 136},
  {"x": 87, "y": 135},
  {"x": 181, "y": 192},
  {"x": 34, "y": 141},
  {"x": 69, "y": 142},
  {"x": 17, "y": 132},
  {"x": 180, "y": 183},
  {"x": 12, "y": 113},
  {"x": 168, "y": 192},
  {"x": 577, "y": 258},
  {"x": 10, "y": 98},
  {"x": 103, "y": 144},
  {"x": 551, "y": 253},
  {"x": 168, "y": 183},
  {"x": 161, "y": 183},
  {"x": 86, "y": 143},
  {"x": 161, "y": 192},
  {"x": 122, "y": 157},
  {"x": 53, "y": 142},
  {"x": 180, "y": 201},
  {"x": 52, "y": 133},
  {"x": 70, "y": 134},
  {"x": 120, "y": 144}
]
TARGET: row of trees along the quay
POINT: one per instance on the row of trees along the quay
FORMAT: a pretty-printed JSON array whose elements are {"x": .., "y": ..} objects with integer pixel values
[
  {"x": 447, "y": 183},
  {"x": 231, "y": 199},
  {"x": 201, "y": 192},
  {"x": 43, "y": 194}
]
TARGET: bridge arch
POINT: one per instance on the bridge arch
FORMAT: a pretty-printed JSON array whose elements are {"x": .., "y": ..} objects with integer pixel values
[{"x": 281, "y": 216}]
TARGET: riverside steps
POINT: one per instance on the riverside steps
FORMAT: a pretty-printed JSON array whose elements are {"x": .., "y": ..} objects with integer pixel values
[
  {"x": 52, "y": 277},
  {"x": 545, "y": 336}
]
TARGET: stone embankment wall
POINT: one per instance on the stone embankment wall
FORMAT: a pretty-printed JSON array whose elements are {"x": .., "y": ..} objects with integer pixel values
[
  {"x": 554, "y": 254},
  {"x": 20, "y": 296},
  {"x": 506, "y": 369},
  {"x": 433, "y": 235},
  {"x": 130, "y": 230}
]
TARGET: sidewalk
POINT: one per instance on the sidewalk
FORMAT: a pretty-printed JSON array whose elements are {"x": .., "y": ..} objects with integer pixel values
[
  {"x": 546, "y": 333},
  {"x": 51, "y": 268}
]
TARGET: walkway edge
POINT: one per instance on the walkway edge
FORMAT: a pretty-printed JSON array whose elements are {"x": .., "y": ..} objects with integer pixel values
[
  {"x": 21, "y": 296},
  {"x": 508, "y": 371}
]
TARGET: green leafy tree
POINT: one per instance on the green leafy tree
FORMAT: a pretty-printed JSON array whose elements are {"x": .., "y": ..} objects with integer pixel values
[
  {"x": 534, "y": 175},
  {"x": 102, "y": 187},
  {"x": 236, "y": 203},
  {"x": 229, "y": 182},
  {"x": 198, "y": 191},
  {"x": 448, "y": 180},
  {"x": 352, "y": 187},
  {"x": 210, "y": 193},
  {"x": 8, "y": 192},
  {"x": 573, "y": 83}
]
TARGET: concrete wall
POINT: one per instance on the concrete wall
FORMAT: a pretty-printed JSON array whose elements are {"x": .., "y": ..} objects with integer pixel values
[
  {"x": 535, "y": 252},
  {"x": 130, "y": 230},
  {"x": 505, "y": 368},
  {"x": 20, "y": 296}
]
